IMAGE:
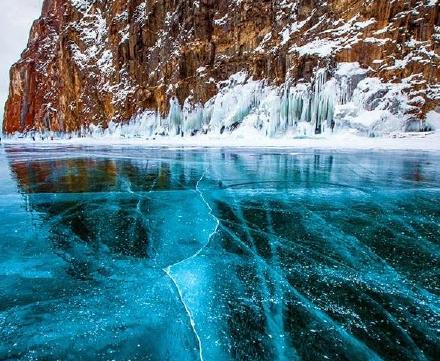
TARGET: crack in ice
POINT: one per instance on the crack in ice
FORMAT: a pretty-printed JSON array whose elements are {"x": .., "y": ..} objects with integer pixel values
[
  {"x": 187, "y": 310},
  {"x": 168, "y": 270},
  {"x": 309, "y": 305}
]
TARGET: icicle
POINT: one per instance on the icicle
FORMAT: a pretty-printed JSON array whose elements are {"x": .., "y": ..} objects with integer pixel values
[
  {"x": 345, "y": 90},
  {"x": 323, "y": 101},
  {"x": 273, "y": 106},
  {"x": 193, "y": 118},
  {"x": 234, "y": 103},
  {"x": 285, "y": 118},
  {"x": 175, "y": 117}
]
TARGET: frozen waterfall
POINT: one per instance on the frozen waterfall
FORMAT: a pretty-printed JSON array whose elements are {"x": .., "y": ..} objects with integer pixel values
[
  {"x": 302, "y": 108},
  {"x": 338, "y": 99}
]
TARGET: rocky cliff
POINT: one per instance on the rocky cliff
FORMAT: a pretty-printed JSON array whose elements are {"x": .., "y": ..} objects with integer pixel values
[{"x": 181, "y": 66}]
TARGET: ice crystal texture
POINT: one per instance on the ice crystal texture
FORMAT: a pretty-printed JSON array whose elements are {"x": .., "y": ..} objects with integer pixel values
[{"x": 154, "y": 254}]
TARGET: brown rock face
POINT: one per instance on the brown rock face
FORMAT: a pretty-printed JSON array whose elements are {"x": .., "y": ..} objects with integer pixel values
[{"x": 92, "y": 61}]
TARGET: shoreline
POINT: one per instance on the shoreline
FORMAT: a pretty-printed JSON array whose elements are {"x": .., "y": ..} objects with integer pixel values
[{"x": 341, "y": 141}]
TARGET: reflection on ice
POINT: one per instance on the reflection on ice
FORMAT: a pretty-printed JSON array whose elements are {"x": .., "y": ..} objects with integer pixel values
[{"x": 153, "y": 254}]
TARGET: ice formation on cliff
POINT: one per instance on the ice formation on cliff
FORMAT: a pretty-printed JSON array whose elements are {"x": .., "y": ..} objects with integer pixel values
[{"x": 346, "y": 98}]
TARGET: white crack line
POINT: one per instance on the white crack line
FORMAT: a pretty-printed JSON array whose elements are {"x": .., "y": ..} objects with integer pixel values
[
  {"x": 168, "y": 270},
  {"x": 188, "y": 311}
]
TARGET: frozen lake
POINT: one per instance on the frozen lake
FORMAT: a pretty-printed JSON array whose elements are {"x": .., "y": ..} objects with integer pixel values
[{"x": 155, "y": 254}]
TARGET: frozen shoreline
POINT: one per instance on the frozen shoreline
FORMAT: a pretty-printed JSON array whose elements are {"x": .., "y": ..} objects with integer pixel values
[{"x": 341, "y": 141}]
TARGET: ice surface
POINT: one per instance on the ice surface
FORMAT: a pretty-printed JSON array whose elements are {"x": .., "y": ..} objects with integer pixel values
[{"x": 158, "y": 254}]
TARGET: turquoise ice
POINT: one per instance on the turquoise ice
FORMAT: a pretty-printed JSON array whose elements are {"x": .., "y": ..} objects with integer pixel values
[{"x": 213, "y": 254}]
